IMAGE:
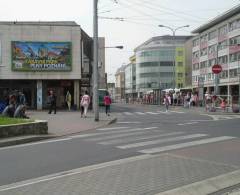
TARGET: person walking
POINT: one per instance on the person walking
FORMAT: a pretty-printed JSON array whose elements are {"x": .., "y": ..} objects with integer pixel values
[
  {"x": 85, "y": 101},
  {"x": 52, "y": 101},
  {"x": 167, "y": 100},
  {"x": 107, "y": 103},
  {"x": 68, "y": 100}
]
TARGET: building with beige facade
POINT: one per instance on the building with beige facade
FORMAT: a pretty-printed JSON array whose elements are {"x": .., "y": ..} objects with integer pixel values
[{"x": 36, "y": 57}]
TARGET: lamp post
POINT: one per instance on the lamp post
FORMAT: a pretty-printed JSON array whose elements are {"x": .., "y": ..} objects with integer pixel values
[
  {"x": 95, "y": 60},
  {"x": 173, "y": 34}
]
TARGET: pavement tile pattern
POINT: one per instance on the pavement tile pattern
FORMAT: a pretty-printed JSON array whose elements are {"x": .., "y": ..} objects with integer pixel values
[{"x": 146, "y": 176}]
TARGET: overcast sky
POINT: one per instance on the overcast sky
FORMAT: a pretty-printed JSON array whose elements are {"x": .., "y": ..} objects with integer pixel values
[{"x": 141, "y": 19}]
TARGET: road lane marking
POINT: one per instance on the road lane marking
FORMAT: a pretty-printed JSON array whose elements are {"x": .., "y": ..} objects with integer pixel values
[
  {"x": 147, "y": 143},
  {"x": 113, "y": 136},
  {"x": 179, "y": 112},
  {"x": 128, "y": 113},
  {"x": 153, "y": 113},
  {"x": 185, "y": 145},
  {"x": 36, "y": 143},
  {"x": 163, "y": 112},
  {"x": 119, "y": 141},
  {"x": 128, "y": 122},
  {"x": 190, "y": 123},
  {"x": 111, "y": 128},
  {"x": 111, "y": 132},
  {"x": 140, "y": 113}
]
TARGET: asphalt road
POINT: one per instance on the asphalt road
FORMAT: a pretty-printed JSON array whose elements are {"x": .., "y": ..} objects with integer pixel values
[{"x": 139, "y": 130}]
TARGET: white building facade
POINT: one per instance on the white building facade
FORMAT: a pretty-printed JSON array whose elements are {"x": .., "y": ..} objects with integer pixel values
[{"x": 218, "y": 42}]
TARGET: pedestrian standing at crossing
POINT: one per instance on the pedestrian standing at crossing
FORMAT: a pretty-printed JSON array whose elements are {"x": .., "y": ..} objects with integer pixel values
[
  {"x": 85, "y": 103},
  {"x": 107, "y": 103},
  {"x": 167, "y": 100}
]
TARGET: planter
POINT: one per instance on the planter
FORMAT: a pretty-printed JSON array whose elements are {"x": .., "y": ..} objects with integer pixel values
[{"x": 32, "y": 128}]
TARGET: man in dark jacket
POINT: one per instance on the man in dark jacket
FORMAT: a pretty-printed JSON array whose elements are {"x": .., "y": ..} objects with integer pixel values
[{"x": 52, "y": 100}]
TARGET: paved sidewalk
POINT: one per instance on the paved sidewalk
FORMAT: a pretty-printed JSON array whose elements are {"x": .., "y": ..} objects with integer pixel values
[
  {"x": 70, "y": 122},
  {"x": 144, "y": 174}
]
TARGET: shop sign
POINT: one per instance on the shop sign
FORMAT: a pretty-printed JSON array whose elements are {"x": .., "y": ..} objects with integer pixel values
[{"x": 41, "y": 56}]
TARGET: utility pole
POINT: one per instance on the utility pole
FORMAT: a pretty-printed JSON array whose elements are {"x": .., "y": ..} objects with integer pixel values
[{"x": 95, "y": 60}]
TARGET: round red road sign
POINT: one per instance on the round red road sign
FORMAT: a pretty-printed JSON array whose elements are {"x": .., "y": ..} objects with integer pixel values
[{"x": 217, "y": 68}]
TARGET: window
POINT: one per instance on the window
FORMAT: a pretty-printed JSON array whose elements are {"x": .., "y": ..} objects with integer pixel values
[
  {"x": 212, "y": 49},
  {"x": 233, "y": 73},
  {"x": 196, "y": 54},
  {"x": 223, "y": 30},
  {"x": 234, "y": 25},
  {"x": 211, "y": 62},
  {"x": 222, "y": 45},
  {"x": 203, "y": 52},
  {"x": 180, "y": 53},
  {"x": 166, "y": 63},
  {"x": 234, "y": 40},
  {"x": 235, "y": 57},
  {"x": 196, "y": 66},
  {"x": 203, "y": 39},
  {"x": 180, "y": 64},
  {"x": 223, "y": 59},
  {"x": 195, "y": 42},
  {"x": 180, "y": 74},
  {"x": 223, "y": 74},
  {"x": 212, "y": 35},
  {"x": 203, "y": 64}
]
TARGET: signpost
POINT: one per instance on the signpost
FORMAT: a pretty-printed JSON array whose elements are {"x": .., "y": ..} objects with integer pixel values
[{"x": 217, "y": 68}]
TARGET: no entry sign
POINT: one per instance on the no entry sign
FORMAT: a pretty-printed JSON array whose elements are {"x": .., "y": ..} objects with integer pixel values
[{"x": 217, "y": 68}]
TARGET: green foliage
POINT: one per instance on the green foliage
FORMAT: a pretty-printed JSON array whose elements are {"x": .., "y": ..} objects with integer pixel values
[{"x": 9, "y": 121}]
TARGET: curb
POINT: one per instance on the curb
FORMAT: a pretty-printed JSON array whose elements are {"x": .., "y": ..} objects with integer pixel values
[
  {"x": 23, "y": 140},
  {"x": 34, "y": 138}
]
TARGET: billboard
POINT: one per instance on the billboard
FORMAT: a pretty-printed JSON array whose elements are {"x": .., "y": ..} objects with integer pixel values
[{"x": 41, "y": 56}]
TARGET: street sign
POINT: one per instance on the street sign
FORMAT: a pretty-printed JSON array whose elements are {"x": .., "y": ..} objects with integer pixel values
[{"x": 217, "y": 68}]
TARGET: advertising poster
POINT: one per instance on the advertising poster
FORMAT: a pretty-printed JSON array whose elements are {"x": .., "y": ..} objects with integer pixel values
[{"x": 41, "y": 56}]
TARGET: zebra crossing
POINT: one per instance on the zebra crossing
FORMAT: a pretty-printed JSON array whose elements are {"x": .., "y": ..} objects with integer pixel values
[
  {"x": 151, "y": 113},
  {"x": 148, "y": 140}
]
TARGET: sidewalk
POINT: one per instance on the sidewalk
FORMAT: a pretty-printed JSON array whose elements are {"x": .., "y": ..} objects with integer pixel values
[
  {"x": 61, "y": 124},
  {"x": 70, "y": 122}
]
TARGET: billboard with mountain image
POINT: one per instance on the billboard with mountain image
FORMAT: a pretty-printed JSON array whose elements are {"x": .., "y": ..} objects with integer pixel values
[{"x": 41, "y": 56}]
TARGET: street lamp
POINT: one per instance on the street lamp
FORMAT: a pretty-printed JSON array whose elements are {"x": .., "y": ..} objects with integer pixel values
[
  {"x": 117, "y": 47},
  {"x": 173, "y": 34}
]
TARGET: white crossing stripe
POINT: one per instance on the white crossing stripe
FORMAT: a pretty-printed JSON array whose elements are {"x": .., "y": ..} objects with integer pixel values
[
  {"x": 190, "y": 123},
  {"x": 128, "y": 113},
  {"x": 163, "y": 112},
  {"x": 130, "y": 139},
  {"x": 146, "y": 143},
  {"x": 185, "y": 145},
  {"x": 154, "y": 113},
  {"x": 112, "y": 128},
  {"x": 111, "y": 132},
  {"x": 179, "y": 112},
  {"x": 128, "y": 122},
  {"x": 136, "y": 131},
  {"x": 140, "y": 113}
]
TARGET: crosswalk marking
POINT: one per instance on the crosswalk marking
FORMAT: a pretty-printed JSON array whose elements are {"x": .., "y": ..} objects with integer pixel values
[
  {"x": 184, "y": 145},
  {"x": 140, "y": 113},
  {"x": 179, "y": 112},
  {"x": 128, "y": 113},
  {"x": 190, "y": 123},
  {"x": 117, "y": 136},
  {"x": 130, "y": 139},
  {"x": 154, "y": 113},
  {"x": 146, "y": 143},
  {"x": 163, "y": 112},
  {"x": 111, "y": 128},
  {"x": 128, "y": 122},
  {"x": 112, "y": 132}
]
